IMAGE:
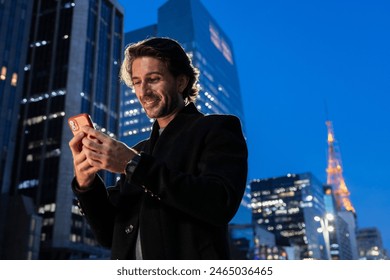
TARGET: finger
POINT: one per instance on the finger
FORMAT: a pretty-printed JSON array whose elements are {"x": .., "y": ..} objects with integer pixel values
[
  {"x": 94, "y": 163},
  {"x": 84, "y": 172},
  {"x": 74, "y": 143},
  {"x": 81, "y": 161},
  {"x": 86, "y": 168},
  {"x": 92, "y": 144},
  {"x": 102, "y": 160},
  {"x": 94, "y": 133},
  {"x": 92, "y": 155},
  {"x": 78, "y": 159}
]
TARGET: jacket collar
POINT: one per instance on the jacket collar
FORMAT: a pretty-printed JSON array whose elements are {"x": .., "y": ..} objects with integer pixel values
[{"x": 180, "y": 120}]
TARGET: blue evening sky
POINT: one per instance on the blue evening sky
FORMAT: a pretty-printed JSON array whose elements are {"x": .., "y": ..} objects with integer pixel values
[{"x": 293, "y": 57}]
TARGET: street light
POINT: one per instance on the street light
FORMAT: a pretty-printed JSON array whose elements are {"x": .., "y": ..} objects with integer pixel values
[{"x": 325, "y": 229}]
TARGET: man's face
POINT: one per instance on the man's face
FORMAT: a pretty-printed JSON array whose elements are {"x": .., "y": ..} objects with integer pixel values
[{"x": 156, "y": 88}]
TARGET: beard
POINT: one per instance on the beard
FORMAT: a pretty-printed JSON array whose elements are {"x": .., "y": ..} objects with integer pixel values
[{"x": 156, "y": 106}]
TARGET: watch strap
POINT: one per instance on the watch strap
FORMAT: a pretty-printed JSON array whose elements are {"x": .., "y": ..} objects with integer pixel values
[{"x": 132, "y": 164}]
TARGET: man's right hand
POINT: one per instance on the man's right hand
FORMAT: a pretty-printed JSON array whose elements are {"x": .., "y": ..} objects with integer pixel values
[{"x": 84, "y": 172}]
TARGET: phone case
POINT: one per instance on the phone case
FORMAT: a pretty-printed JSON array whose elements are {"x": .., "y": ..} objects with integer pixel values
[{"x": 76, "y": 122}]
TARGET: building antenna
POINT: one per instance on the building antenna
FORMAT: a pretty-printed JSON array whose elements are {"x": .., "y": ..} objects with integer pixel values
[{"x": 334, "y": 171}]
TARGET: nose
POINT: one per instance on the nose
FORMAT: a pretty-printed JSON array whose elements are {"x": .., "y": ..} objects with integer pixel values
[{"x": 144, "y": 88}]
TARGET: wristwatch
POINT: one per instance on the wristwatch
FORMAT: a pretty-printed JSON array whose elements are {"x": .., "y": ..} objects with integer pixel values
[{"x": 132, "y": 164}]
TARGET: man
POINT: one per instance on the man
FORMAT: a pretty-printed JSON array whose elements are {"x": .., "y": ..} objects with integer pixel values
[{"x": 178, "y": 189}]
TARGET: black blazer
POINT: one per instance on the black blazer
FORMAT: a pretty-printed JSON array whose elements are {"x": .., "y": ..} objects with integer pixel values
[{"x": 186, "y": 188}]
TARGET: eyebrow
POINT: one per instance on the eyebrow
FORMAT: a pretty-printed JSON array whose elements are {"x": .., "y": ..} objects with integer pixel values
[{"x": 148, "y": 74}]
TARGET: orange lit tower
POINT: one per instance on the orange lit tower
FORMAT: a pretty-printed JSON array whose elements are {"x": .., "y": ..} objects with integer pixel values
[{"x": 335, "y": 173}]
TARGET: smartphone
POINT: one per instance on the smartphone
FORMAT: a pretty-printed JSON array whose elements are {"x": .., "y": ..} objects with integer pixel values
[{"x": 76, "y": 122}]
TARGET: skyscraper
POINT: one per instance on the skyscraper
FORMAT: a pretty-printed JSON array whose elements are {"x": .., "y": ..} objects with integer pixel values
[
  {"x": 211, "y": 51},
  {"x": 292, "y": 207},
  {"x": 341, "y": 238},
  {"x": 72, "y": 66},
  {"x": 370, "y": 244},
  {"x": 15, "y": 17}
]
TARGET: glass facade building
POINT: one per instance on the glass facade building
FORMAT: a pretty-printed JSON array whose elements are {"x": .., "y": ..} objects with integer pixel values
[
  {"x": 340, "y": 243},
  {"x": 15, "y": 16},
  {"x": 252, "y": 242},
  {"x": 370, "y": 244},
  {"x": 73, "y": 60},
  {"x": 211, "y": 51},
  {"x": 292, "y": 208}
]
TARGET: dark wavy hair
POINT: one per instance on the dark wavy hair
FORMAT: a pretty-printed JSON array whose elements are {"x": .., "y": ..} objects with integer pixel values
[{"x": 168, "y": 51}]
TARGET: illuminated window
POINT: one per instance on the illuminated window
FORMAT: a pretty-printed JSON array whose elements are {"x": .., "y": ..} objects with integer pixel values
[
  {"x": 14, "y": 79},
  {"x": 131, "y": 113},
  {"x": 220, "y": 43},
  {"x": 75, "y": 238},
  {"x": 29, "y": 158},
  {"x": 3, "y": 74},
  {"x": 131, "y": 132},
  {"x": 69, "y": 5},
  {"x": 28, "y": 184},
  {"x": 227, "y": 53},
  {"x": 48, "y": 222},
  {"x": 49, "y": 207}
]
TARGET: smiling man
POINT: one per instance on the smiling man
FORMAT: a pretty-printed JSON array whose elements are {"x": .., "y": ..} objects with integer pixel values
[{"x": 178, "y": 189}]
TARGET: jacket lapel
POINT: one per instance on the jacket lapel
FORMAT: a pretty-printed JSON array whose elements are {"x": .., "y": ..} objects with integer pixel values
[{"x": 156, "y": 142}]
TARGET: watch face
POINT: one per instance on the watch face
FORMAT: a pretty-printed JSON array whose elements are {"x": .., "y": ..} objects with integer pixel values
[{"x": 130, "y": 167}]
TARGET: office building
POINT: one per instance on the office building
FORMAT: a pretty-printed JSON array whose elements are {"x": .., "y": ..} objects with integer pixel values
[
  {"x": 342, "y": 245},
  {"x": 15, "y": 18},
  {"x": 370, "y": 244},
  {"x": 73, "y": 60},
  {"x": 292, "y": 208},
  {"x": 241, "y": 239},
  {"x": 252, "y": 242},
  {"x": 348, "y": 219},
  {"x": 211, "y": 51}
]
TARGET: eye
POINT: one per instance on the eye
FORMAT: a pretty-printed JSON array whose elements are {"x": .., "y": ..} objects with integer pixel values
[
  {"x": 136, "y": 82},
  {"x": 154, "y": 79}
]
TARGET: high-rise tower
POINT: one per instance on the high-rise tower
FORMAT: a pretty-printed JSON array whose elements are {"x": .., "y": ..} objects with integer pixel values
[
  {"x": 292, "y": 208},
  {"x": 15, "y": 17},
  {"x": 72, "y": 66},
  {"x": 335, "y": 173}
]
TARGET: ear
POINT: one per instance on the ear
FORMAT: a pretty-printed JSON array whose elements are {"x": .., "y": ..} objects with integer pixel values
[{"x": 182, "y": 82}]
